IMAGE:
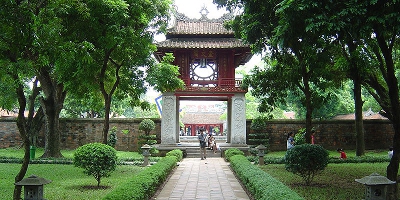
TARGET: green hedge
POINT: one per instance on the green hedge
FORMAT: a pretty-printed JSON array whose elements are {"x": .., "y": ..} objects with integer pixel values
[
  {"x": 231, "y": 152},
  {"x": 144, "y": 185},
  {"x": 177, "y": 153},
  {"x": 261, "y": 185}
]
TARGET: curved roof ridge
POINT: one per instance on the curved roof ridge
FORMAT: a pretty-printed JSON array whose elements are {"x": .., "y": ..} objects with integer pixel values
[{"x": 182, "y": 17}]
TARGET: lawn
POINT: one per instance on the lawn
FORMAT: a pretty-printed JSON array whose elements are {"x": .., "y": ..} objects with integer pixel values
[
  {"x": 336, "y": 182},
  {"x": 68, "y": 182}
]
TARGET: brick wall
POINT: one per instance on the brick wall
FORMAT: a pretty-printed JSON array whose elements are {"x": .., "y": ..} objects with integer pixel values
[{"x": 331, "y": 134}]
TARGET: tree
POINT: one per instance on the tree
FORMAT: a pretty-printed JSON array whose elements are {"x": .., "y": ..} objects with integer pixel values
[
  {"x": 299, "y": 61},
  {"x": 118, "y": 42},
  {"x": 25, "y": 35},
  {"x": 368, "y": 33}
]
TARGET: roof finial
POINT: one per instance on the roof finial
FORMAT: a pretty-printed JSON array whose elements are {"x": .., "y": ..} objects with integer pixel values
[{"x": 204, "y": 12}]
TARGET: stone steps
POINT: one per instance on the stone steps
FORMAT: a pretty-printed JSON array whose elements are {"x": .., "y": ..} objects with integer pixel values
[{"x": 194, "y": 152}]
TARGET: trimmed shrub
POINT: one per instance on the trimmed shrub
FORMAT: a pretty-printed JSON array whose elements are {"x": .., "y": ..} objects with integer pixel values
[
  {"x": 147, "y": 125},
  {"x": 177, "y": 153},
  {"x": 231, "y": 152},
  {"x": 97, "y": 160},
  {"x": 306, "y": 160},
  {"x": 145, "y": 183},
  {"x": 261, "y": 185},
  {"x": 258, "y": 135}
]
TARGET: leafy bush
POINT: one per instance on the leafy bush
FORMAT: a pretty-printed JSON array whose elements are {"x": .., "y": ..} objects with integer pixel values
[
  {"x": 231, "y": 152},
  {"x": 177, "y": 153},
  {"x": 300, "y": 137},
  {"x": 144, "y": 184},
  {"x": 112, "y": 137},
  {"x": 306, "y": 160},
  {"x": 97, "y": 159},
  {"x": 260, "y": 184},
  {"x": 147, "y": 125}
]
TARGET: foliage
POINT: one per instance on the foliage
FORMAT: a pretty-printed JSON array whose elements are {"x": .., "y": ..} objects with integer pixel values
[
  {"x": 164, "y": 76},
  {"x": 144, "y": 184},
  {"x": 258, "y": 124},
  {"x": 299, "y": 137},
  {"x": 177, "y": 153},
  {"x": 147, "y": 125},
  {"x": 116, "y": 45},
  {"x": 231, "y": 152},
  {"x": 306, "y": 160},
  {"x": 112, "y": 137},
  {"x": 260, "y": 184},
  {"x": 97, "y": 160}
]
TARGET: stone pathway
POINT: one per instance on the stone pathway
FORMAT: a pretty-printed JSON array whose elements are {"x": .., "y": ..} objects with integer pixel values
[{"x": 209, "y": 179}]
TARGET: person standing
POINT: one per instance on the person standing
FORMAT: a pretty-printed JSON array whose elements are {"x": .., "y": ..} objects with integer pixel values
[
  {"x": 290, "y": 140},
  {"x": 312, "y": 136},
  {"x": 203, "y": 142},
  {"x": 390, "y": 152}
]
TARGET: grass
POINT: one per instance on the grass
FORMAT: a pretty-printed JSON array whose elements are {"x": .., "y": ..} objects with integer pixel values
[
  {"x": 69, "y": 154},
  {"x": 336, "y": 182},
  {"x": 68, "y": 182}
]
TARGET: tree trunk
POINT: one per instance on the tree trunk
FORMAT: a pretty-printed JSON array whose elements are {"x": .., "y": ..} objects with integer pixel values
[
  {"x": 358, "y": 103},
  {"x": 393, "y": 167},
  {"x": 26, "y": 127},
  {"x": 52, "y": 103},
  {"x": 391, "y": 81},
  {"x": 359, "y": 124},
  {"x": 106, "y": 125},
  {"x": 309, "y": 108}
]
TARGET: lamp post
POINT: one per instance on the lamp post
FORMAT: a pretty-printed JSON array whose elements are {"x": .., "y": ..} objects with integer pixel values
[
  {"x": 146, "y": 153},
  {"x": 261, "y": 154},
  {"x": 33, "y": 187}
]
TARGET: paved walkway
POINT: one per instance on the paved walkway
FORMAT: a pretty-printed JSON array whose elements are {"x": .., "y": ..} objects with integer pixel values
[{"x": 203, "y": 179}]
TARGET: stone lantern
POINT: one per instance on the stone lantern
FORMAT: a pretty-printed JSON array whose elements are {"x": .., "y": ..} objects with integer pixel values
[
  {"x": 261, "y": 154},
  {"x": 146, "y": 153},
  {"x": 376, "y": 186},
  {"x": 33, "y": 187}
]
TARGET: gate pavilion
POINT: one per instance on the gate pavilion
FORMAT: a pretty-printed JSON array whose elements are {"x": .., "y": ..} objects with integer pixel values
[{"x": 207, "y": 55}]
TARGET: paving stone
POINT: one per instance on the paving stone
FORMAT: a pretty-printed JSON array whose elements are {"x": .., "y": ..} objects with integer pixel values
[{"x": 209, "y": 179}]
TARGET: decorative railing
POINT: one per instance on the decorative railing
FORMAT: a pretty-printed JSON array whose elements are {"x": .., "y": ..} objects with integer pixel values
[
  {"x": 222, "y": 82},
  {"x": 221, "y": 85}
]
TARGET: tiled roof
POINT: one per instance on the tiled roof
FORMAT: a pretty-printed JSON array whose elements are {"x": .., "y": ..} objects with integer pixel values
[
  {"x": 203, "y": 26},
  {"x": 197, "y": 43},
  {"x": 197, "y": 118}
]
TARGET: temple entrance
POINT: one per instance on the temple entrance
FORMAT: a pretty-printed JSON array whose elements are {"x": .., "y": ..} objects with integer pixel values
[{"x": 207, "y": 55}]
